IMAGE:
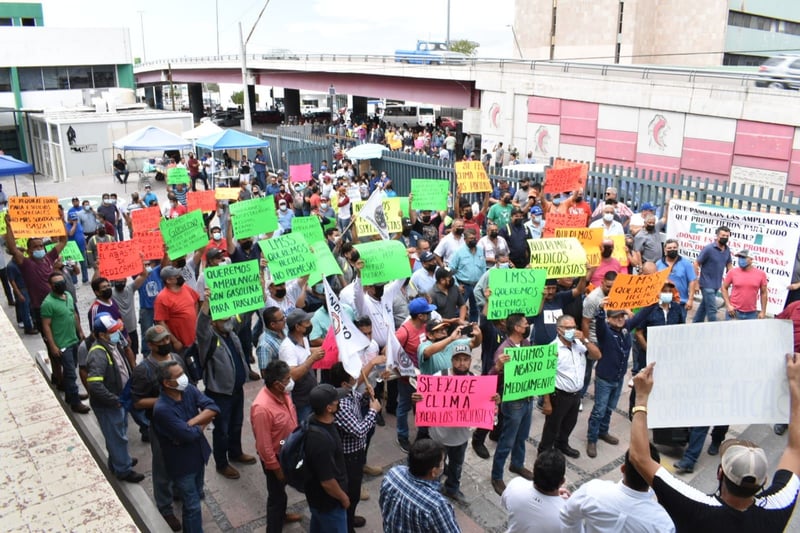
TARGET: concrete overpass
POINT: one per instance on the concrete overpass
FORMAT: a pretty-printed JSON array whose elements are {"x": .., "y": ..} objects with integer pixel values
[{"x": 702, "y": 122}]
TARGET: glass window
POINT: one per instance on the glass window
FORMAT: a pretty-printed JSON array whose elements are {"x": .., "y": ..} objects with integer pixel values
[
  {"x": 55, "y": 78},
  {"x": 5, "y": 21},
  {"x": 28, "y": 22},
  {"x": 5, "y": 79},
  {"x": 80, "y": 78},
  {"x": 104, "y": 76},
  {"x": 30, "y": 79}
]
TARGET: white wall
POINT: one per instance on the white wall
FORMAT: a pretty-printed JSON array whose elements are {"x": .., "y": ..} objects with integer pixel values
[
  {"x": 46, "y": 46},
  {"x": 7, "y": 100}
]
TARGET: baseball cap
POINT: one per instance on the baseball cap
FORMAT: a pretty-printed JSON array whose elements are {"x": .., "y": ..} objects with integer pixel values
[
  {"x": 459, "y": 349},
  {"x": 426, "y": 257},
  {"x": 325, "y": 394},
  {"x": 146, "y": 185},
  {"x": 551, "y": 282},
  {"x": 647, "y": 206},
  {"x": 743, "y": 253},
  {"x": 105, "y": 323},
  {"x": 169, "y": 272},
  {"x": 636, "y": 220},
  {"x": 434, "y": 324},
  {"x": 213, "y": 253},
  {"x": 156, "y": 334},
  {"x": 536, "y": 210},
  {"x": 617, "y": 312},
  {"x": 296, "y": 316},
  {"x": 744, "y": 463},
  {"x": 420, "y": 305},
  {"x": 73, "y": 216}
]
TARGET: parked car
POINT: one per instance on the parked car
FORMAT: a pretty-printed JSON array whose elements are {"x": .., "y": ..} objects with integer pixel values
[
  {"x": 227, "y": 118},
  {"x": 449, "y": 122},
  {"x": 780, "y": 72},
  {"x": 430, "y": 53}
]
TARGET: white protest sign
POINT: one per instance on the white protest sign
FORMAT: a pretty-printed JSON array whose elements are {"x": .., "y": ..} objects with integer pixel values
[
  {"x": 770, "y": 238},
  {"x": 718, "y": 373}
]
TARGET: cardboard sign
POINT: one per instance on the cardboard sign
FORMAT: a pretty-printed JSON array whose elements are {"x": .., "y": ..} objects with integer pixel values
[
  {"x": 403, "y": 201},
  {"x": 202, "y": 200},
  {"x": 184, "y": 234},
  {"x": 515, "y": 290},
  {"x": 391, "y": 210},
  {"x": 118, "y": 260},
  {"x": 563, "y": 163},
  {"x": 562, "y": 220},
  {"x": 384, "y": 261},
  {"x": 235, "y": 289},
  {"x": 472, "y": 177},
  {"x": 151, "y": 244},
  {"x": 227, "y": 193},
  {"x": 288, "y": 256},
  {"x": 456, "y": 401},
  {"x": 354, "y": 193},
  {"x": 530, "y": 372},
  {"x": 331, "y": 350},
  {"x": 254, "y": 217},
  {"x": 429, "y": 194},
  {"x": 177, "y": 175},
  {"x": 619, "y": 253},
  {"x": 146, "y": 219},
  {"x": 590, "y": 239},
  {"x": 3, "y": 222},
  {"x": 35, "y": 216},
  {"x": 630, "y": 292},
  {"x": 562, "y": 258},
  {"x": 300, "y": 172},
  {"x": 564, "y": 178},
  {"x": 309, "y": 227},
  {"x": 326, "y": 263},
  {"x": 719, "y": 373},
  {"x": 71, "y": 252}
]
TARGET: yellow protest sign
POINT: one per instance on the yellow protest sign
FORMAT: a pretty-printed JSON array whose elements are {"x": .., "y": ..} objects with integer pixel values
[
  {"x": 227, "y": 193},
  {"x": 472, "y": 177},
  {"x": 391, "y": 209},
  {"x": 562, "y": 258},
  {"x": 590, "y": 239},
  {"x": 35, "y": 216},
  {"x": 620, "y": 253},
  {"x": 629, "y": 291}
]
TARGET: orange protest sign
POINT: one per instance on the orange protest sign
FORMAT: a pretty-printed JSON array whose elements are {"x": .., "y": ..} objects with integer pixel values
[
  {"x": 566, "y": 179},
  {"x": 226, "y": 193},
  {"x": 150, "y": 243},
  {"x": 472, "y": 177},
  {"x": 619, "y": 253},
  {"x": 146, "y": 219},
  {"x": 563, "y": 163},
  {"x": 629, "y": 292},
  {"x": 35, "y": 216},
  {"x": 562, "y": 220},
  {"x": 118, "y": 260},
  {"x": 202, "y": 200},
  {"x": 590, "y": 239}
]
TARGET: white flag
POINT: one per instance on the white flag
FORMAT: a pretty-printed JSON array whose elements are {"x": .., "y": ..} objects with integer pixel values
[
  {"x": 349, "y": 339},
  {"x": 396, "y": 357},
  {"x": 373, "y": 213}
]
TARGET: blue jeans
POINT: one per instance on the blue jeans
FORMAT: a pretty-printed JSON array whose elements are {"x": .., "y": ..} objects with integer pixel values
[
  {"x": 707, "y": 307},
  {"x": 455, "y": 462},
  {"x": 587, "y": 376},
  {"x": 743, "y": 315},
  {"x": 469, "y": 295},
  {"x": 697, "y": 437},
  {"x": 23, "y": 310},
  {"x": 227, "y": 435},
  {"x": 145, "y": 322},
  {"x": 404, "y": 391},
  {"x": 333, "y": 521},
  {"x": 114, "y": 425},
  {"x": 517, "y": 416},
  {"x": 162, "y": 484},
  {"x": 606, "y": 396},
  {"x": 69, "y": 362},
  {"x": 191, "y": 487}
]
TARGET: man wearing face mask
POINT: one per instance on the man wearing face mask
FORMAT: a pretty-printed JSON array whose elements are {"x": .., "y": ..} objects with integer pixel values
[
  {"x": 426, "y": 223},
  {"x": 108, "y": 372},
  {"x": 176, "y": 309},
  {"x": 712, "y": 262},
  {"x": 424, "y": 279},
  {"x": 745, "y": 282},
  {"x": 180, "y": 416},
  {"x": 217, "y": 240},
  {"x": 225, "y": 369},
  {"x": 468, "y": 265},
  {"x": 408, "y": 236},
  {"x": 269, "y": 342},
  {"x": 535, "y": 225},
  {"x": 607, "y": 263},
  {"x": 214, "y": 257},
  {"x": 451, "y": 242},
  {"x": 296, "y": 351},
  {"x": 492, "y": 244},
  {"x": 647, "y": 244},
  {"x": 273, "y": 417},
  {"x": 448, "y": 298},
  {"x": 145, "y": 390},
  {"x": 607, "y": 222},
  {"x": 101, "y": 236},
  {"x": 285, "y": 216},
  {"x": 682, "y": 273},
  {"x": 104, "y": 303},
  {"x": 517, "y": 238},
  {"x": 122, "y": 295},
  {"x": 500, "y": 212},
  {"x": 149, "y": 286}
]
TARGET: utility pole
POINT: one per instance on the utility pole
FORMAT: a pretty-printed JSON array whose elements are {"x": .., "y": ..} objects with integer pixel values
[
  {"x": 216, "y": 5},
  {"x": 248, "y": 120},
  {"x": 141, "y": 26},
  {"x": 447, "y": 39}
]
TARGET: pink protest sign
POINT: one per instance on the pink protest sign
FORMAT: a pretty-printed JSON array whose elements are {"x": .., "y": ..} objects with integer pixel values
[
  {"x": 331, "y": 352},
  {"x": 456, "y": 401},
  {"x": 300, "y": 172}
]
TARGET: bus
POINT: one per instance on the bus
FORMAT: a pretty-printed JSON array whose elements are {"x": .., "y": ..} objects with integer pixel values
[{"x": 410, "y": 113}]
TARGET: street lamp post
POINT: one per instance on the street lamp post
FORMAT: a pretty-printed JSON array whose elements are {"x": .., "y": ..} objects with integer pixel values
[
  {"x": 248, "y": 121},
  {"x": 516, "y": 41},
  {"x": 332, "y": 97},
  {"x": 141, "y": 26}
]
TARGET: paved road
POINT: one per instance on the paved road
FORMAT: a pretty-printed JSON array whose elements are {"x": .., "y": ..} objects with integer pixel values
[{"x": 241, "y": 505}]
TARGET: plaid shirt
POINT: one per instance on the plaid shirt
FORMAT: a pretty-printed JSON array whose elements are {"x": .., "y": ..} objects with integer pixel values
[
  {"x": 268, "y": 346},
  {"x": 353, "y": 426},
  {"x": 409, "y": 503}
]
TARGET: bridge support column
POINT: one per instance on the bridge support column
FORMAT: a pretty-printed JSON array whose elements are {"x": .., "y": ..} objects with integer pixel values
[
  {"x": 291, "y": 104},
  {"x": 251, "y": 94},
  {"x": 359, "y": 106},
  {"x": 196, "y": 100},
  {"x": 154, "y": 96}
]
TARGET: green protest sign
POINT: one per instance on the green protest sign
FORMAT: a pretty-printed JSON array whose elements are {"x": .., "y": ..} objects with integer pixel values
[
  {"x": 184, "y": 234},
  {"x": 288, "y": 257},
  {"x": 309, "y": 227},
  {"x": 429, "y": 194},
  {"x": 254, "y": 217},
  {"x": 384, "y": 261},
  {"x": 515, "y": 290},
  {"x": 177, "y": 175},
  {"x": 71, "y": 252},
  {"x": 531, "y": 371},
  {"x": 235, "y": 289},
  {"x": 326, "y": 263},
  {"x": 404, "y": 205},
  {"x": 3, "y": 222}
]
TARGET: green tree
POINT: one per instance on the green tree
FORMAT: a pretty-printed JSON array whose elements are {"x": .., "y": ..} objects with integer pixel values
[
  {"x": 212, "y": 87},
  {"x": 238, "y": 97},
  {"x": 465, "y": 46}
]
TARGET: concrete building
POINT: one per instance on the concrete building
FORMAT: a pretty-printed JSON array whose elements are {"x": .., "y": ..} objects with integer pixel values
[{"x": 677, "y": 32}]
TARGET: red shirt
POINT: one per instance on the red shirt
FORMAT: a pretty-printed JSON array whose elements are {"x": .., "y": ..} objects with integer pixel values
[
  {"x": 410, "y": 339},
  {"x": 178, "y": 311},
  {"x": 744, "y": 287},
  {"x": 272, "y": 420},
  {"x": 606, "y": 265},
  {"x": 792, "y": 312}
]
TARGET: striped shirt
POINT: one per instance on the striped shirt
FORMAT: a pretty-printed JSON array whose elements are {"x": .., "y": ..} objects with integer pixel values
[
  {"x": 409, "y": 503},
  {"x": 269, "y": 344},
  {"x": 353, "y": 426}
]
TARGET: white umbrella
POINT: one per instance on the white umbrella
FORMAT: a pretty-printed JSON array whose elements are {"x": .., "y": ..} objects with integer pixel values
[
  {"x": 203, "y": 130},
  {"x": 366, "y": 151}
]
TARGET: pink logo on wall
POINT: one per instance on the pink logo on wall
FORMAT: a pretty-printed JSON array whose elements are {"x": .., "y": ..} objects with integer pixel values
[
  {"x": 658, "y": 128},
  {"x": 494, "y": 115},
  {"x": 542, "y": 140}
]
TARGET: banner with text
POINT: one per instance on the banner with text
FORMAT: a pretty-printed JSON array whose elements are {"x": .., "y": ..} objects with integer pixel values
[
  {"x": 35, "y": 216},
  {"x": 630, "y": 292},
  {"x": 326, "y": 263},
  {"x": 118, "y": 260},
  {"x": 456, "y": 401},
  {"x": 515, "y": 290},
  {"x": 288, "y": 257},
  {"x": 202, "y": 200},
  {"x": 384, "y": 261},
  {"x": 429, "y": 194},
  {"x": 388, "y": 216},
  {"x": 151, "y": 243},
  {"x": 309, "y": 227},
  {"x": 300, "y": 172},
  {"x": 184, "y": 234},
  {"x": 562, "y": 258},
  {"x": 253, "y": 217},
  {"x": 565, "y": 177},
  {"x": 177, "y": 175},
  {"x": 562, "y": 220},
  {"x": 227, "y": 193},
  {"x": 590, "y": 239},
  {"x": 71, "y": 252},
  {"x": 235, "y": 289},
  {"x": 472, "y": 177},
  {"x": 146, "y": 219},
  {"x": 531, "y": 371}
]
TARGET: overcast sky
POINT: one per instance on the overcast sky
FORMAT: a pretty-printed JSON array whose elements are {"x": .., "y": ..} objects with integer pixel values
[{"x": 178, "y": 28}]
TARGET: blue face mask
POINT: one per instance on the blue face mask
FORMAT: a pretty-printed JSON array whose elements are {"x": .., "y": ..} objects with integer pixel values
[
  {"x": 666, "y": 297},
  {"x": 39, "y": 254},
  {"x": 742, "y": 262},
  {"x": 569, "y": 334},
  {"x": 503, "y": 265},
  {"x": 115, "y": 337}
]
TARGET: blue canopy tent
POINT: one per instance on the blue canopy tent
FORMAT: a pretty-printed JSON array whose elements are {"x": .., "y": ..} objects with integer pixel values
[
  {"x": 230, "y": 139},
  {"x": 10, "y": 166},
  {"x": 151, "y": 138}
]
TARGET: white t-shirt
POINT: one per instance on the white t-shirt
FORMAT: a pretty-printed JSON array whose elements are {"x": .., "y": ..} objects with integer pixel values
[
  {"x": 448, "y": 246},
  {"x": 292, "y": 354},
  {"x": 530, "y": 511}
]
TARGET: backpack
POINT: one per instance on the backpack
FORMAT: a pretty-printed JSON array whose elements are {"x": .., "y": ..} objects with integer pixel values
[{"x": 292, "y": 455}]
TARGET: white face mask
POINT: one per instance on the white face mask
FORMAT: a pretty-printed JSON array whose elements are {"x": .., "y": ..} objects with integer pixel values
[
  {"x": 608, "y": 217},
  {"x": 216, "y": 236},
  {"x": 183, "y": 382},
  {"x": 290, "y": 386}
]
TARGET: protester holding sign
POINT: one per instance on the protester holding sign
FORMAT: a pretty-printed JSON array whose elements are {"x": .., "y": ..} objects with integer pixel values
[{"x": 713, "y": 262}]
